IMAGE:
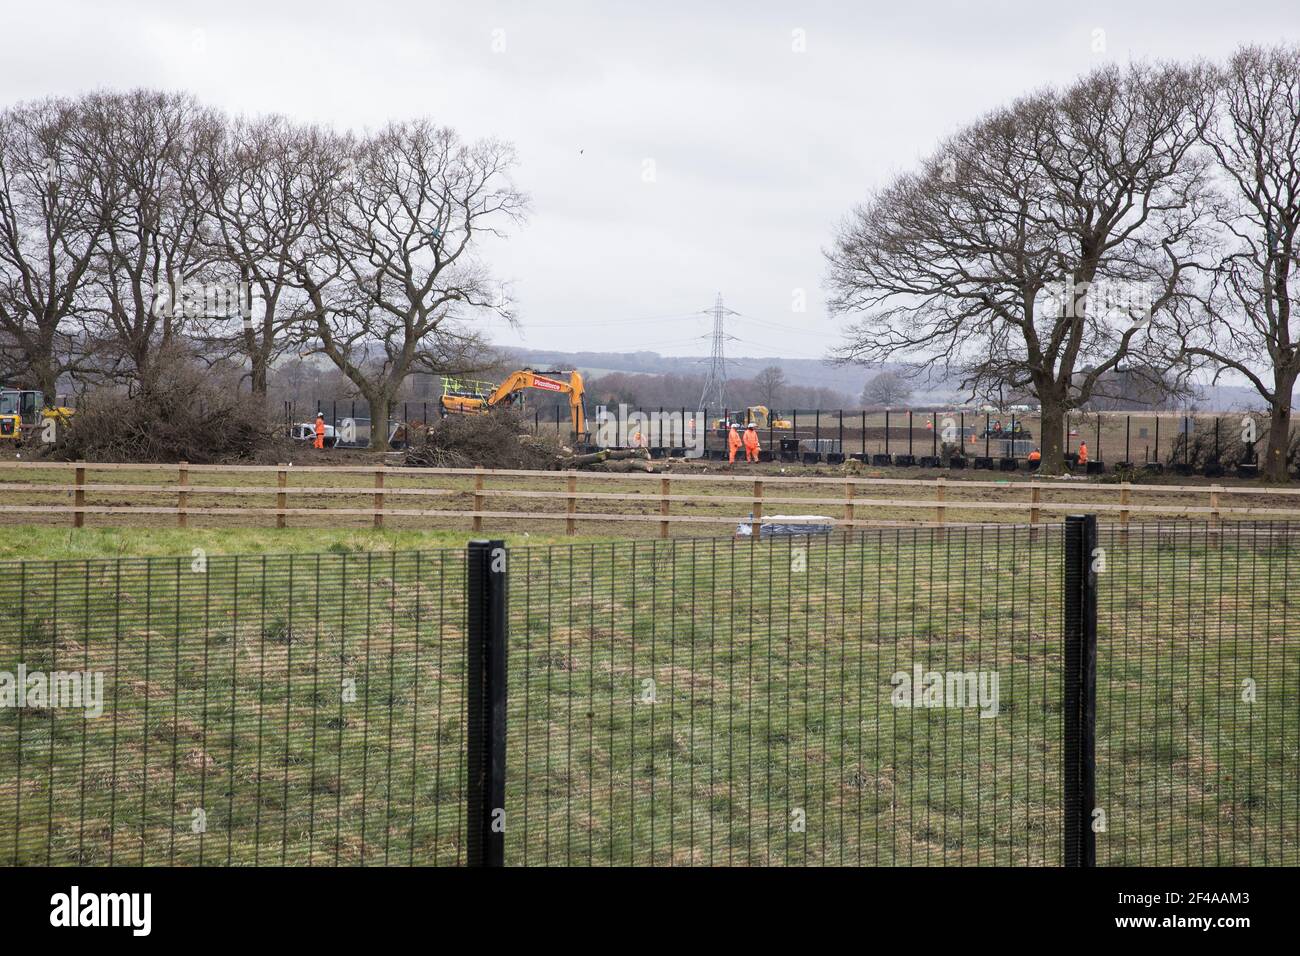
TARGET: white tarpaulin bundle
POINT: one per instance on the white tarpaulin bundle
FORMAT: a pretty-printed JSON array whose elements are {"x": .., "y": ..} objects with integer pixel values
[{"x": 788, "y": 524}]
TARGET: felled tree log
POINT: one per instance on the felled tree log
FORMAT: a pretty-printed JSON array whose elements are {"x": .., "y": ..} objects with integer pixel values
[
  {"x": 578, "y": 461},
  {"x": 627, "y": 465}
]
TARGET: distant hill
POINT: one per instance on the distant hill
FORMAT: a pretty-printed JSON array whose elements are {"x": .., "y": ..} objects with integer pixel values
[
  {"x": 929, "y": 388},
  {"x": 808, "y": 372}
]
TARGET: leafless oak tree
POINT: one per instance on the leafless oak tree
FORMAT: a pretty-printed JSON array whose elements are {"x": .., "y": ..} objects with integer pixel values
[
  {"x": 1031, "y": 250},
  {"x": 395, "y": 280},
  {"x": 268, "y": 184},
  {"x": 144, "y": 148},
  {"x": 886, "y": 389},
  {"x": 48, "y": 237},
  {"x": 1246, "y": 323},
  {"x": 770, "y": 383}
]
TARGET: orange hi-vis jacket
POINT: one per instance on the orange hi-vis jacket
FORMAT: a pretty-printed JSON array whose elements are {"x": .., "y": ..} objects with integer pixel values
[
  {"x": 733, "y": 440},
  {"x": 751, "y": 439},
  {"x": 1083, "y": 453}
]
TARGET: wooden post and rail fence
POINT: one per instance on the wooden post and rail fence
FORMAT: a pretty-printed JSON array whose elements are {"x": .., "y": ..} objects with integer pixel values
[{"x": 694, "y": 498}]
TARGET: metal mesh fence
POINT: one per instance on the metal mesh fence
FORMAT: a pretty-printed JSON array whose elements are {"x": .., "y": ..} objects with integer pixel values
[
  {"x": 1198, "y": 713},
  {"x": 888, "y": 697},
  {"x": 727, "y": 702},
  {"x": 250, "y": 710}
]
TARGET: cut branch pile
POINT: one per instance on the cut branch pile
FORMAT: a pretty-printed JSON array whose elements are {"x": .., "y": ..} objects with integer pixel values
[{"x": 501, "y": 438}]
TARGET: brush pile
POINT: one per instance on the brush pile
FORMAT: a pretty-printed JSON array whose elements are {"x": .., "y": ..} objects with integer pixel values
[
  {"x": 502, "y": 438},
  {"x": 181, "y": 413},
  {"x": 499, "y": 438}
]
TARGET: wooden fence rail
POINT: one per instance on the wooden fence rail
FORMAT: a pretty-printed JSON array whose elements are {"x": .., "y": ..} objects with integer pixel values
[{"x": 855, "y": 501}]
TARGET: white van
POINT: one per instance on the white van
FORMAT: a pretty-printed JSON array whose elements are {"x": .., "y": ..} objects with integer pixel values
[{"x": 306, "y": 432}]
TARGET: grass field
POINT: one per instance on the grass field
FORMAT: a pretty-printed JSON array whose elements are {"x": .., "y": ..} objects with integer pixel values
[
  {"x": 44, "y": 542},
  {"x": 684, "y": 702}
]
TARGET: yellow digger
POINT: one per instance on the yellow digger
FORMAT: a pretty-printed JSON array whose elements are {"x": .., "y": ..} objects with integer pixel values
[
  {"x": 758, "y": 415},
  {"x": 25, "y": 409},
  {"x": 472, "y": 398}
]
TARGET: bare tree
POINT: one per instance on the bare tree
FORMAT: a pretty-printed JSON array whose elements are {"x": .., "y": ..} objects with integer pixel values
[
  {"x": 1031, "y": 251},
  {"x": 144, "y": 149},
  {"x": 48, "y": 237},
  {"x": 770, "y": 383},
  {"x": 886, "y": 389},
  {"x": 1246, "y": 324},
  {"x": 395, "y": 282},
  {"x": 268, "y": 183}
]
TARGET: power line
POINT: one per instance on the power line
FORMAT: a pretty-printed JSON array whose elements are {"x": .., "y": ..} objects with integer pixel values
[
  {"x": 784, "y": 351},
  {"x": 666, "y": 317}
]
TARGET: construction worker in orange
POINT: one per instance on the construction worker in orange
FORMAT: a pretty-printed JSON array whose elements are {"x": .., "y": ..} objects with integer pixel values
[
  {"x": 751, "y": 442},
  {"x": 320, "y": 431},
  {"x": 733, "y": 444},
  {"x": 1035, "y": 455},
  {"x": 1083, "y": 453}
]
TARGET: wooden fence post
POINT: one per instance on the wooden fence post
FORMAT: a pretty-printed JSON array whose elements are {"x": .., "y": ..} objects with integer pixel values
[
  {"x": 183, "y": 496},
  {"x": 79, "y": 496},
  {"x": 379, "y": 496},
  {"x": 756, "y": 522},
  {"x": 571, "y": 504},
  {"x": 478, "y": 498},
  {"x": 281, "y": 497},
  {"x": 1035, "y": 499},
  {"x": 1123, "y": 513},
  {"x": 939, "y": 498},
  {"x": 664, "y": 484},
  {"x": 848, "y": 504}
]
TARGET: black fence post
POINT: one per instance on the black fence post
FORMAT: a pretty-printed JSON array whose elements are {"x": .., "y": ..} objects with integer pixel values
[
  {"x": 1079, "y": 724},
  {"x": 485, "y": 723}
]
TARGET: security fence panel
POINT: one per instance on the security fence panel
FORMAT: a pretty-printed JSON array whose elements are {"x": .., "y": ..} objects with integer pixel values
[
  {"x": 890, "y": 697},
  {"x": 1198, "y": 718},
  {"x": 298, "y": 709},
  {"x": 959, "y": 695}
]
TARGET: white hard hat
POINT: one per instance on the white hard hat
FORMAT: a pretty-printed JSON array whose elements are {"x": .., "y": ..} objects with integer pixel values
[{"x": 750, "y": 425}]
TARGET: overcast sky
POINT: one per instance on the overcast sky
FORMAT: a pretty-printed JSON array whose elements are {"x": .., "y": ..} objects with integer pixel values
[{"x": 673, "y": 151}]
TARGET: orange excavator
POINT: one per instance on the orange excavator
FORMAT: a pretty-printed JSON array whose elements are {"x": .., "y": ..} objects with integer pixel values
[{"x": 472, "y": 398}]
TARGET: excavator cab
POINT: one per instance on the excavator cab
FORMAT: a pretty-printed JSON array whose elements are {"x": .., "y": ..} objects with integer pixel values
[
  {"x": 464, "y": 397},
  {"x": 25, "y": 409}
]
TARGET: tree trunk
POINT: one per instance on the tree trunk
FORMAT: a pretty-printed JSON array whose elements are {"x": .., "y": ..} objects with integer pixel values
[
  {"x": 381, "y": 404},
  {"x": 257, "y": 378},
  {"x": 47, "y": 381},
  {"x": 1051, "y": 441},
  {"x": 1274, "y": 465}
]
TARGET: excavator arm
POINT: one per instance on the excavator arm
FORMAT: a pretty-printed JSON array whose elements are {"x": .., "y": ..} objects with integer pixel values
[{"x": 527, "y": 378}]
